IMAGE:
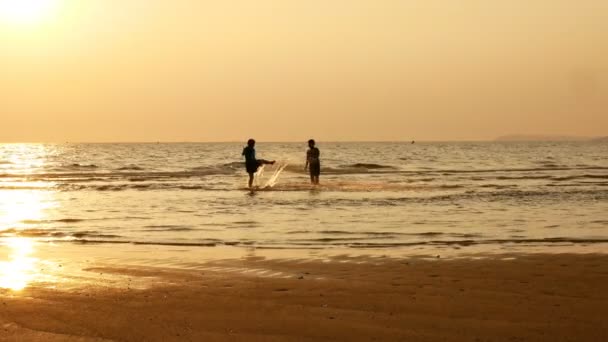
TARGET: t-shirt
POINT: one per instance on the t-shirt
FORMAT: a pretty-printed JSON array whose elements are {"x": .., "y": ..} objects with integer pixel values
[
  {"x": 312, "y": 155},
  {"x": 249, "y": 153}
]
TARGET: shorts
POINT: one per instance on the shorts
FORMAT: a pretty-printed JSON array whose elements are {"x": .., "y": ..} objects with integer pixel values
[
  {"x": 252, "y": 167},
  {"x": 315, "y": 169}
]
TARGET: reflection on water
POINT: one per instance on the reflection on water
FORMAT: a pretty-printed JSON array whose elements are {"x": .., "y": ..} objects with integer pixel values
[
  {"x": 18, "y": 266},
  {"x": 20, "y": 269},
  {"x": 17, "y": 206}
]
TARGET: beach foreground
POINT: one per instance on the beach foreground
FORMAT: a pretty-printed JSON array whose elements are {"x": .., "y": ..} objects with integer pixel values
[{"x": 541, "y": 297}]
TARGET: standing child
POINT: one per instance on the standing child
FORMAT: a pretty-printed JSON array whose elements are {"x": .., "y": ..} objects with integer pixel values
[
  {"x": 313, "y": 163},
  {"x": 251, "y": 163}
]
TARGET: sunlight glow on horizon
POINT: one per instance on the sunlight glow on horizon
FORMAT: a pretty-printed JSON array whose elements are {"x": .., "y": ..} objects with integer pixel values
[
  {"x": 357, "y": 70},
  {"x": 26, "y": 12}
]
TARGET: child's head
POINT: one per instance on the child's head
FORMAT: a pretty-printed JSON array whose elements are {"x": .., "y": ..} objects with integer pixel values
[
  {"x": 250, "y": 142},
  {"x": 311, "y": 143}
]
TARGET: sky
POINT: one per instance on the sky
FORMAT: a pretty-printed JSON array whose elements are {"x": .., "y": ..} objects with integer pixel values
[{"x": 286, "y": 70}]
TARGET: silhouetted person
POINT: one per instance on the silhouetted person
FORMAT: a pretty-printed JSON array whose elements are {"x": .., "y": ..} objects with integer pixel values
[
  {"x": 313, "y": 163},
  {"x": 251, "y": 163}
]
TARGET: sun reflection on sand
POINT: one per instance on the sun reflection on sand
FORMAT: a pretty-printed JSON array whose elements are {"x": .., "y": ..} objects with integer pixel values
[{"x": 20, "y": 269}]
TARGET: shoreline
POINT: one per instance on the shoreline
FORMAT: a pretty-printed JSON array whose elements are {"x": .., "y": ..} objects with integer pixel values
[{"x": 254, "y": 295}]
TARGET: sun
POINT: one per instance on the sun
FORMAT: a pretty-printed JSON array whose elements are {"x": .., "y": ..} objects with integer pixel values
[{"x": 26, "y": 11}]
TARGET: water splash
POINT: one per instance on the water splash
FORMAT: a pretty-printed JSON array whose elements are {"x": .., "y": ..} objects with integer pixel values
[
  {"x": 275, "y": 176},
  {"x": 273, "y": 180},
  {"x": 257, "y": 176}
]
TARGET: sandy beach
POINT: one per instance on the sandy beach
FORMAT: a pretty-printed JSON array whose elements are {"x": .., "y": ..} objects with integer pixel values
[{"x": 538, "y": 297}]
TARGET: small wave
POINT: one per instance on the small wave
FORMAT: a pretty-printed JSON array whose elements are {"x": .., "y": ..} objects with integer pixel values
[
  {"x": 426, "y": 234},
  {"x": 211, "y": 171},
  {"x": 464, "y": 243},
  {"x": 93, "y": 234},
  {"x": 167, "y": 228},
  {"x": 369, "y": 166},
  {"x": 148, "y": 243},
  {"x": 366, "y": 233},
  {"x": 550, "y": 164},
  {"x": 522, "y": 177},
  {"x": 566, "y": 178},
  {"x": 338, "y": 232},
  {"x": 362, "y": 186},
  {"x": 532, "y": 169},
  {"x": 64, "y": 220},
  {"x": 450, "y": 186},
  {"x": 192, "y": 187},
  {"x": 360, "y": 243},
  {"x": 108, "y": 187},
  {"x": 298, "y": 232},
  {"x": 88, "y": 173},
  {"x": 499, "y": 186},
  {"x": 234, "y": 165},
  {"x": 130, "y": 167},
  {"x": 25, "y": 187},
  {"x": 575, "y": 185},
  {"x": 31, "y": 233},
  {"x": 140, "y": 185},
  {"x": 80, "y": 166},
  {"x": 39, "y": 233}
]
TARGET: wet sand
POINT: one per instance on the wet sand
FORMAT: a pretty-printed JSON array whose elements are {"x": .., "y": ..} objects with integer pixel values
[{"x": 541, "y": 297}]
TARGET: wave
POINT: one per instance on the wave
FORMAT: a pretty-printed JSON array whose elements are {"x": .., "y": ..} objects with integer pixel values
[
  {"x": 507, "y": 170},
  {"x": 135, "y": 186},
  {"x": 25, "y": 187},
  {"x": 531, "y": 177},
  {"x": 234, "y": 165},
  {"x": 551, "y": 177},
  {"x": 363, "y": 186},
  {"x": 134, "y": 173},
  {"x": 166, "y": 228},
  {"x": 150, "y": 243},
  {"x": 74, "y": 166},
  {"x": 566, "y": 178},
  {"x": 470, "y": 197},
  {"x": 42, "y": 233},
  {"x": 345, "y": 243},
  {"x": 464, "y": 243},
  {"x": 361, "y": 168},
  {"x": 369, "y": 166},
  {"x": 131, "y": 167},
  {"x": 65, "y": 220},
  {"x": 411, "y": 187}
]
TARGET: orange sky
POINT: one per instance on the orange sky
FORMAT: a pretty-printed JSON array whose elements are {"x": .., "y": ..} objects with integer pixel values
[{"x": 197, "y": 70}]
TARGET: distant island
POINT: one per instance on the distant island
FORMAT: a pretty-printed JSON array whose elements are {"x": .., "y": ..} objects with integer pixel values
[{"x": 534, "y": 137}]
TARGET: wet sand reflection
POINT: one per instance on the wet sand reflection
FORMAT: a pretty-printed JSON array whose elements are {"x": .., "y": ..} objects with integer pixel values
[{"x": 20, "y": 268}]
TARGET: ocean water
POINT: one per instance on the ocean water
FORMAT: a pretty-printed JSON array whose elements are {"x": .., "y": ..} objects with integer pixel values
[{"x": 372, "y": 195}]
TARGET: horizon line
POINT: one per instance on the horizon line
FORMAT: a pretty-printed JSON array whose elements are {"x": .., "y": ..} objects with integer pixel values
[{"x": 292, "y": 141}]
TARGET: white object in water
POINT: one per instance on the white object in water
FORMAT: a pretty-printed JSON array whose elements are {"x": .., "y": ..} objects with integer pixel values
[{"x": 273, "y": 180}]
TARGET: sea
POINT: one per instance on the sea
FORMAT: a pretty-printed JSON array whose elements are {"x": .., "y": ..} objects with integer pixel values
[{"x": 372, "y": 195}]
